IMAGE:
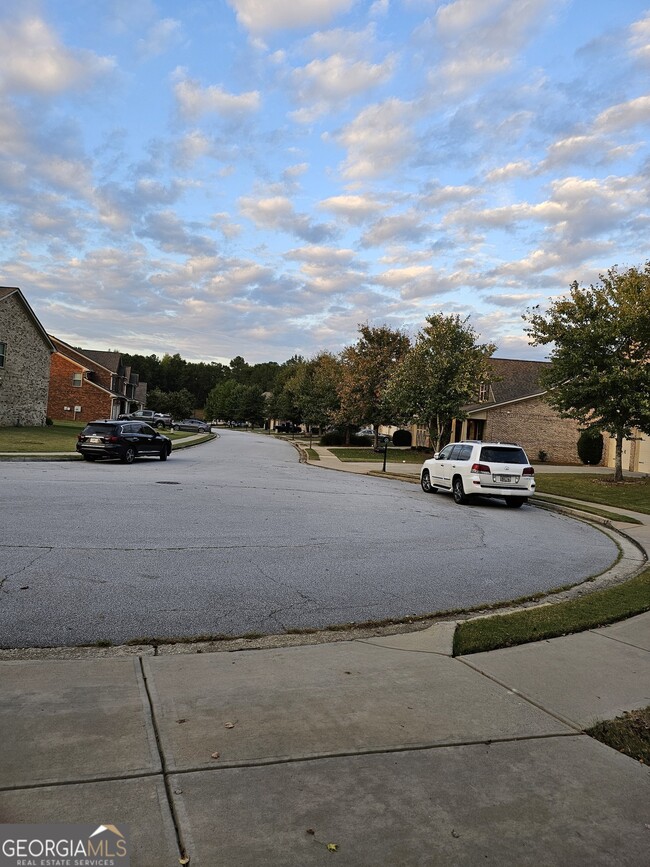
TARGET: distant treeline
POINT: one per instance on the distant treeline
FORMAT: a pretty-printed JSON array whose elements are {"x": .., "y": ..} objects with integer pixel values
[{"x": 171, "y": 373}]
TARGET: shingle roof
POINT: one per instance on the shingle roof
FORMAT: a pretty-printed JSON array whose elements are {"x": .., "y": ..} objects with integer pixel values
[
  {"x": 109, "y": 360},
  {"x": 517, "y": 380}
]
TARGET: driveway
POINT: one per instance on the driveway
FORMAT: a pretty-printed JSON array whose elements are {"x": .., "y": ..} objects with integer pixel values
[{"x": 235, "y": 536}]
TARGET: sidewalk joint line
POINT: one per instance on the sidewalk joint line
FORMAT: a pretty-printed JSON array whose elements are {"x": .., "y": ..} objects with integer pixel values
[
  {"x": 163, "y": 762},
  {"x": 369, "y": 751},
  {"x": 571, "y": 723}
]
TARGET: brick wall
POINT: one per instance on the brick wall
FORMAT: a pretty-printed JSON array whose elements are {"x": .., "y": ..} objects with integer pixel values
[
  {"x": 536, "y": 426},
  {"x": 94, "y": 401},
  {"x": 24, "y": 378}
]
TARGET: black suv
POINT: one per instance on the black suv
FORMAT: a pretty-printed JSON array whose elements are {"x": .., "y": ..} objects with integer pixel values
[{"x": 126, "y": 440}]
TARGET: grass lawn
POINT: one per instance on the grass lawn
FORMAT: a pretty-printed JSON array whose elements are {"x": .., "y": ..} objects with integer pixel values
[
  {"x": 59, "y": 437},
  {"x": 631, "y": 494},
  {"x": 368, "y": 454},
  {"x": 549, "y": 621}
]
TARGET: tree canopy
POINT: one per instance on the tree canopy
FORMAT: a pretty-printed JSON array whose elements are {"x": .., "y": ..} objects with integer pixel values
[
  {"x": 600, "y": 338},
  {"x": 439, "y": 375}
]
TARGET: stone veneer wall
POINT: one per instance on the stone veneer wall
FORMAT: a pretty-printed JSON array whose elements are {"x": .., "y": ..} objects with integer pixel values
[
  {"x": 536, "y": 426},
  {"x": 25, "y": 377}
]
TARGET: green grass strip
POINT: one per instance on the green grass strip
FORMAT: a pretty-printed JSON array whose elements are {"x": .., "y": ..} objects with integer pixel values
[
  {"x": 633, "y": 493},
  {"x": 549, "y": 621},
  {"x": 583, "y": 507},
  {"x": 313, "y": 455}
]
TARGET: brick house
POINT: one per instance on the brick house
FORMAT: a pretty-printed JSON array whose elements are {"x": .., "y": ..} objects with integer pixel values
[
  {"x": 25, "y": 351},
  {"x": 512, "y": 409},
  {"x": 86, "y": 384}
]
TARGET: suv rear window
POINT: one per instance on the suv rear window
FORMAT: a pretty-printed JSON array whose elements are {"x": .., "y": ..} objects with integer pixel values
[
  {"x": 99, "y": 428},
  {"x": 503, "y": 455}
]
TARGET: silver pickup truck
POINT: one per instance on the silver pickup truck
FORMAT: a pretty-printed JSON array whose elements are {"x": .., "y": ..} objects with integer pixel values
[{"x": 155, "y": 419}]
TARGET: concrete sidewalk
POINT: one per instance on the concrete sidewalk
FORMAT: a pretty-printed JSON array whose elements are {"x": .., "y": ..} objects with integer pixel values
[
  {"x": 387, "y": 748},
  {"x": 379, "y": 751}
]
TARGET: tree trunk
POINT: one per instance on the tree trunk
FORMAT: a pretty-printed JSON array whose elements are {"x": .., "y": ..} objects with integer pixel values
[{"x": 618, "y": 463}]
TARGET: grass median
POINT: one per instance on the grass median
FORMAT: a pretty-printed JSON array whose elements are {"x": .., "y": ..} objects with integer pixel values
[
  {"x": 367, "y": 453},
  {"x": 550, "y": 621},
  {"x": 631, "y": 494}
]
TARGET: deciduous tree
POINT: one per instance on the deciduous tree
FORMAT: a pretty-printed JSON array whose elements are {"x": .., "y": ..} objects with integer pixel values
[
  {"x": 439, "y": 375},
  {"x": 600, "y": 338}
]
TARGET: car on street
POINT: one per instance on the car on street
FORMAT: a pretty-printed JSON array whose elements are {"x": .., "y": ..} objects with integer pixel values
[
  {"x": 472, "y": 468},
  {"x": 126, "y": 440},
  {"x": 155, "y": 419},
  {"x": 193, "y": 424}
]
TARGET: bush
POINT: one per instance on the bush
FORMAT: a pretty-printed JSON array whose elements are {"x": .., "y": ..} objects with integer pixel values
[
  {"x": 402, "y": 438},
  {"x": 590, "y": 446},
  {"x": 337, "y": 438},
  {"x": 48, "y": 421}
]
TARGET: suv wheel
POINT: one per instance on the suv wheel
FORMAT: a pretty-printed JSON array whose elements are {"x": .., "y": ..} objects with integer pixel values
[
  {"x": 516, "y": 502},
  {"x": 460, "y": 496},
  {"x": 425, "y": 483},
  {"x": 163, "y": 453},
  {"x": 160, "y": 424},
  {"x": 128, "y": 455}
]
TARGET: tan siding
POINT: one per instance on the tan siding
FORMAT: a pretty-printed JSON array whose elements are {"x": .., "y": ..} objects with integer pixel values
[{"x": 537, "y": 427}]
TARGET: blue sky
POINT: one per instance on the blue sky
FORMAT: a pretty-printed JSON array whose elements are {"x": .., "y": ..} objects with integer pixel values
[{"x": 256, "y": 178}]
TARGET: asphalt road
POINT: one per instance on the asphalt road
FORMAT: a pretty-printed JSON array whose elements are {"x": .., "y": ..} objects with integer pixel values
[{"x": 236, "y": 536}]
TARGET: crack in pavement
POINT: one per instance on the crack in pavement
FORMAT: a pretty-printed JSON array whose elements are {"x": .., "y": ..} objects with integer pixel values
[{"x": 44, "y": 551}]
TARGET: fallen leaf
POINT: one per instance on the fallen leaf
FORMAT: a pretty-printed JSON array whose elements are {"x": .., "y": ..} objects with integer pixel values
[
  {"x": 183, "y": 860},
  {"x": 310, "y": 831},
  {"x": 454, "y": 834},
  {"x": 178, "y": 791},
  {"x": 229, "y": 725},
  {"x": 181, "y": 720},
  {"x": 332, "y": 847},
  {"x": 215, "y": 755}
]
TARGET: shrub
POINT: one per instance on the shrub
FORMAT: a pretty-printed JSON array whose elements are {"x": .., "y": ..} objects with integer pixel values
[
  {"x": 402, "y": 438},
  {"x": 590, "y": 446},
  {"x": 48, "y": 421}
]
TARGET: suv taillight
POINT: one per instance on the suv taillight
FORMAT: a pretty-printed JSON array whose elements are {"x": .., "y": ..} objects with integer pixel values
[
  {"x": 112, "y": 439},
  {"x": 481, "y": 468},
  {"x": 529, "y": 471}
]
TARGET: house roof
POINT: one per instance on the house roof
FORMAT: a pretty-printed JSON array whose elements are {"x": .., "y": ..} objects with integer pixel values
[
  {"x": 110, "y": 360},
  {"x": 8, "y": 291},
  {"x": 517, "y": 380}
]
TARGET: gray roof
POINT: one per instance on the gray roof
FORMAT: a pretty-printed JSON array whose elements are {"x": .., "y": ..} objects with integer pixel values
[{"x": 517, "y": 380}]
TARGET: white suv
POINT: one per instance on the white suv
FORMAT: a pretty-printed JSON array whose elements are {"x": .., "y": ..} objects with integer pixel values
[{"x": 472, "y": 467}]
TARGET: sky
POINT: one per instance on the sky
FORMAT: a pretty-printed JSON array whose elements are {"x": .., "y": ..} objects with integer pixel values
[{"x": 259, "y": 177}]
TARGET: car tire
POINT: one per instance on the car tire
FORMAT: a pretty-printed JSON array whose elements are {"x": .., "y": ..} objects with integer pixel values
[
  {"x": 163, "y": 454},
  {"x": 160, "y": 424},
  {"x": 128, "y": 456},
  {"x": 458, "y": 490},
  {"x": 175, "y": 427},
  {"x": 425, "y": 483},
  {"x": 89, "y": 457},
  {"x": 516, "y": 502}
]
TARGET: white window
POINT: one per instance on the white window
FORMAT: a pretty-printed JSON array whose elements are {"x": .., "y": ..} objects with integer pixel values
[
  {"x": 77, "y": 379},
  {"x": 483, "y": 392}
]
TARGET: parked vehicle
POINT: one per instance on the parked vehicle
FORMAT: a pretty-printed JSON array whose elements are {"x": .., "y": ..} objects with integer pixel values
[
  {"x": 473, "y": 468},
  {"x": 155, "y": 419},
  {"x": 287, "y": 427},
  {"x": 126, "y": 440},
  {"x": 193, "y": 424}
]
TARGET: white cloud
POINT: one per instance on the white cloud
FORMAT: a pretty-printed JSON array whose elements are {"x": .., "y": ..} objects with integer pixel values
[
  {"x": 324, "y": 84},
  {"x": 639, "y": 40},
  {"x": 625, "y": 115},
  {"x": 193, "y": 100},
  {"x": 277, "y": 213},
  {"x": 405, "y": 227},
  {"x": 261, "y": 16},
  {"x": 162, "y": 35},
  {"x": 378, "y": 140},
  {"x": 35, "y": 61},
  {"x": 355, "y": 209}
]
